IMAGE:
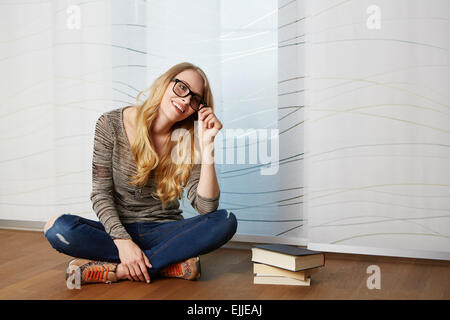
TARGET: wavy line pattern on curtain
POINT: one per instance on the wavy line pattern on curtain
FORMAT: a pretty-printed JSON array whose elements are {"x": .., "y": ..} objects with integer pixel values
[{"x": 376, "y": 127}]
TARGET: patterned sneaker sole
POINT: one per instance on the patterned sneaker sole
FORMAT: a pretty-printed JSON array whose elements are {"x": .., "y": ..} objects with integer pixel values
[
  {"x": 199, "y": 269},
  {"x": 70, "y": 270}
]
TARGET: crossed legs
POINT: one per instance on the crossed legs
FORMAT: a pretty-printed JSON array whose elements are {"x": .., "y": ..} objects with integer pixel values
[{"x": 164, "y": 244}]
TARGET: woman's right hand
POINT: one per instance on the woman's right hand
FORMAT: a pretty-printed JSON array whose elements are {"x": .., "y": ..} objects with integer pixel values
[{"x": 133, "y": 260}]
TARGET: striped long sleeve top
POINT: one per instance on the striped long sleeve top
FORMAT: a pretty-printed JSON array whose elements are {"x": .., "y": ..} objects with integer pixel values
[{"x": 114, "y": 200}]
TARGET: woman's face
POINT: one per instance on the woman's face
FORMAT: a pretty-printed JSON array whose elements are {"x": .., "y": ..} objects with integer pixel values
[{"x": 167, "y": 108}]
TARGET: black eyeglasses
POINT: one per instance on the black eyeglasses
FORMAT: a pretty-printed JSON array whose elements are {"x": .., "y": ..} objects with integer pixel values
[{"x": 182, "y": 90}]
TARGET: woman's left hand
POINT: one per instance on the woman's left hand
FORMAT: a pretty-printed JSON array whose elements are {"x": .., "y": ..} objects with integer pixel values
[{"x": 209, "y": 126}]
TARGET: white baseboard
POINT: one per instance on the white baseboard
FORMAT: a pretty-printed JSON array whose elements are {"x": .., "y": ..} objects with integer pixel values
[
  {"x": 24, "y": 225},
  {"x": 398, "y": 253}
]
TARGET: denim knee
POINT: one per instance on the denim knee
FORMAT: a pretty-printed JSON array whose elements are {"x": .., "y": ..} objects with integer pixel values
[
  {"x": 58, "y": 234},
  {"x": 232, "y": 221},
  {"x": 228, "y": 220}
]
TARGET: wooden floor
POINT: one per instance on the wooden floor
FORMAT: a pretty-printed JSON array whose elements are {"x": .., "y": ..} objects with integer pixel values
[{"x": 31, "y": 269}]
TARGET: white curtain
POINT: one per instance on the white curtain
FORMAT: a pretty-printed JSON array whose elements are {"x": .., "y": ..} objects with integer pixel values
[
  {"x": 335, "y": 113},
  {"x": 63, "y": 63},
  {"x": 55, "y": 66},
  {"x": 377, "y": 127},
  {"x": 260, "y": 80}
]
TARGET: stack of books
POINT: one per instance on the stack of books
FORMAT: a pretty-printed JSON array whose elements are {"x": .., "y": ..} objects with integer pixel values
[{"x": 285, "y": 264}]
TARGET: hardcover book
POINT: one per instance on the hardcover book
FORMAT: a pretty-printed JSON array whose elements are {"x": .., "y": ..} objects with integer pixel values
[
  {"x": 265, "y": 270},
  {"x": 287, "y": 256}
]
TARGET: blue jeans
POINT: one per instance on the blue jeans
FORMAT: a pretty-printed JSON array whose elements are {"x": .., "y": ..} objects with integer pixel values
[{"x": 164, "y": 243}]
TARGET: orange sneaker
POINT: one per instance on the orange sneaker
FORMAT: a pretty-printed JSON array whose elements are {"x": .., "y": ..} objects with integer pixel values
[
  {"x": 92, "y": 271},
  {"x": 189, "y": 269}
]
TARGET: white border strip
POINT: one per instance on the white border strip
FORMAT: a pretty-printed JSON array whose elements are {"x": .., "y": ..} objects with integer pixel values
[
  {"x": 403, "y": 253},
  {"x": 23, "y": 225},
  {"x": 269, "y": 239}
]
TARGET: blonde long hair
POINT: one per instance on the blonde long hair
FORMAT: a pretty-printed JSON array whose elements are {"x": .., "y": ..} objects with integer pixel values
[{"x": 170, "y": 177}]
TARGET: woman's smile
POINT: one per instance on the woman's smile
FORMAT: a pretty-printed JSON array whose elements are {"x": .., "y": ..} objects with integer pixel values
[{"x": 178, "y": 107}]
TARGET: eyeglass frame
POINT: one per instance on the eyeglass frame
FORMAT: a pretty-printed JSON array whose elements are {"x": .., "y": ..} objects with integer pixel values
[{"x": 202, "y": 102}]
